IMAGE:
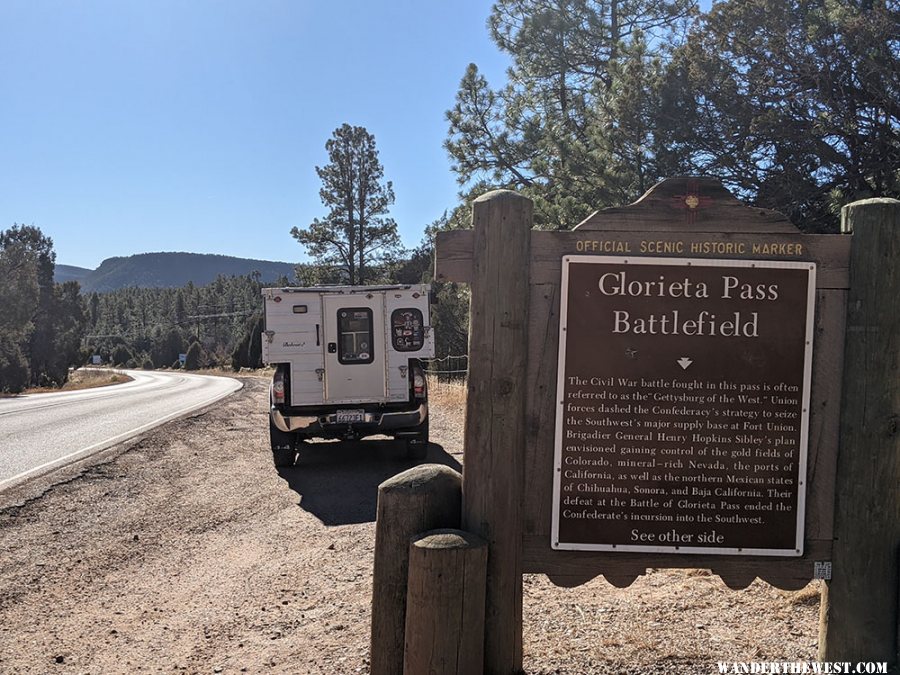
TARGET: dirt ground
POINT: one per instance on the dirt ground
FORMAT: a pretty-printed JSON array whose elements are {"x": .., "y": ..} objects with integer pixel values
[{"x": 186, "y": 551}]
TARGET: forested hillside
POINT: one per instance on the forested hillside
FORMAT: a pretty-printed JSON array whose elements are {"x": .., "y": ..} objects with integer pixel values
[
  {"x": 64, "y": 273},
  {"x": 217, "y": 324},
  {"x": 169, "y": 270}
]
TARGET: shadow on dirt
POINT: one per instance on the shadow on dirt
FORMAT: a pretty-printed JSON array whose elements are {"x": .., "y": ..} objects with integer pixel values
[{"x": 338, "y": 481}]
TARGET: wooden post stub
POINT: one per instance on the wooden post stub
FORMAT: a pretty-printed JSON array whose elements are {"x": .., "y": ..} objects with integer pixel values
[
  {"x": 423, "y": 498},
  {"x": 859, "y": 605},
  {"x": 445, "y": 604},
  {"x": 493, "y": 472}
]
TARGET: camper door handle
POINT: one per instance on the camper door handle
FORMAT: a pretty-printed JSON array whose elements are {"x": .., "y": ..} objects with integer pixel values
[
  {"x": 317, "y": 336},
  {"x": 332, "y": 347}
]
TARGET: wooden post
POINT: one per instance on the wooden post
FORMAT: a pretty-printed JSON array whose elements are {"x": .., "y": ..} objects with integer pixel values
[
  {"x": 425, "y": 497},
  {"x": 445, "y": 604},
  {"x": 859, "y": 605},
  {"x": 495, "y": 413}
]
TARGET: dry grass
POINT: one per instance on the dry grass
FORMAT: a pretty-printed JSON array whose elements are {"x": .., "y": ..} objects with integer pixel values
[
  {"x": 699, "y": 572},
  {"x": 449, "y": 396},
  {"x": 447, "y": 401},
  {"x": 809, "y": 595},
  {"x": 85, "y": 379},
  {"x": 224, "y": 371}
]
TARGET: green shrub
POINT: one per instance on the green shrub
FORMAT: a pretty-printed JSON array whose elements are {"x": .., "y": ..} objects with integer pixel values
[
  {"x": 14, "y": 372},
  {"x": 121, "y": 355}
]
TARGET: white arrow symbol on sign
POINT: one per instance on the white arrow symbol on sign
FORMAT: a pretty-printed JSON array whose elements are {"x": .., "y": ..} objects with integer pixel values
[{"x": 684, "y": 362}]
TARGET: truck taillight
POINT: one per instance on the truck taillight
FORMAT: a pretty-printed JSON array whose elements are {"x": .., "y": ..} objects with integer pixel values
[
  {"x": 419, "y": 383},
  {"x": 278, "y": 388}
]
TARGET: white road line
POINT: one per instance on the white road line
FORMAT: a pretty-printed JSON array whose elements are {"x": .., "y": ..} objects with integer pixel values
[{"x": 102, "y": 445}]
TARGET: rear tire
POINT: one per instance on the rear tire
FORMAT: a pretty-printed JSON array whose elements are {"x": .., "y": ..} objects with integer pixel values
[{"x": 284, "y": 446}]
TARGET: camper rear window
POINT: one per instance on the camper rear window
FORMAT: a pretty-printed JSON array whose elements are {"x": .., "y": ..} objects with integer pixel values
[
  {"x": 355, "y": 335},
  {"x": 407, "y": 330}
]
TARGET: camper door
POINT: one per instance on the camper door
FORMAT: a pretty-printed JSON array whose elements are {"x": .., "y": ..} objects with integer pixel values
[{"x": 354, "y": 349}]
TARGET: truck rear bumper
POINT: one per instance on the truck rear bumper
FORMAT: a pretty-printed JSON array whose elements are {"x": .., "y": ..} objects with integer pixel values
[{"x": 326, "y": 425}]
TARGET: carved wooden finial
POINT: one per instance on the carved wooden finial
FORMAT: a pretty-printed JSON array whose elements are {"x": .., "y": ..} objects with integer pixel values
[{"x": 688, "y": 203}]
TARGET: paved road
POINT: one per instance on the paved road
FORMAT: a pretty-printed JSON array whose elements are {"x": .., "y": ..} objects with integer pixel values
[{"x": 39, "y": 432}]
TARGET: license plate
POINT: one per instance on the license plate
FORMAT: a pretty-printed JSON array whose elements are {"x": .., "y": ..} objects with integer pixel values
[{"x": 350, "y": 416}]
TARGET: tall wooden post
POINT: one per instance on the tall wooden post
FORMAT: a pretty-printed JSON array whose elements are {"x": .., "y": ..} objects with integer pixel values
[
  {"x": 495, "y": 413},
  {"x": 859, "y": 606}
]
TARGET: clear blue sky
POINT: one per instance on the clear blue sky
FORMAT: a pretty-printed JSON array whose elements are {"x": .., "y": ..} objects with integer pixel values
[{"x": 173, "y": 125}]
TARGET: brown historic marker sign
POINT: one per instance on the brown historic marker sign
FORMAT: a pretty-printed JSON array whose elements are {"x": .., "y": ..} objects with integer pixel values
[{"x": 683, "y": 404}]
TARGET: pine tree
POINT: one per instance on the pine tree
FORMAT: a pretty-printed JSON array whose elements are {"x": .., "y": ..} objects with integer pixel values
[
  {"x": 574, "y": 127},
  {"x": 192, "y": 360},
  {"x": 18, "y": 296},
  {"x": 794, "y": 104},
  {"x": 54, "y": 315},
  {"x": 39, "y": 345},
  {"x": 357, "y": 235}
]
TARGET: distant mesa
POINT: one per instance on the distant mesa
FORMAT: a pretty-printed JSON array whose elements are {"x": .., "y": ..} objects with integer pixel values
[
  {"x": 64, "y": 273},
  {"x": 168, "y": 270}
]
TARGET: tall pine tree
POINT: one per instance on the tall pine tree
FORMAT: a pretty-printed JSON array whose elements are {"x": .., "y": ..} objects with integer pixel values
[
  {"x": 574, "y": 126},
  {"x": 357, "y": 235},
  {"x": 50, "y": 339},
  {"x": 793, "y": 103},
  {"x": 18, "y": 297}
]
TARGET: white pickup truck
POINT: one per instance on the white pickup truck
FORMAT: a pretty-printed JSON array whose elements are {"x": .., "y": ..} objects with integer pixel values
[{"x": 347, "y": 364}]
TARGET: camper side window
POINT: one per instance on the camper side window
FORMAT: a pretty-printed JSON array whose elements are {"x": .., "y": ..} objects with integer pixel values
[
  {"x": 407, "y": 330},
  {"x": 355, "y": 335}
]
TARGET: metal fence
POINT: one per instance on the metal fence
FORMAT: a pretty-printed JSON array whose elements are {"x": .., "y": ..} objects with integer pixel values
[
  {"x": 448, "y": 368},
  {"x": 447, "y": 376},
  {"x": 449, "y": 372}
]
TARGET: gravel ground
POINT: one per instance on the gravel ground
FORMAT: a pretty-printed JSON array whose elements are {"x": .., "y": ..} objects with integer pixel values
[{"x": 185, "y": 551}]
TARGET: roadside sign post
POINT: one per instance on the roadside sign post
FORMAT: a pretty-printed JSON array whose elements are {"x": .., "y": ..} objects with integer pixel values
[{"x": 859, "y": 610}]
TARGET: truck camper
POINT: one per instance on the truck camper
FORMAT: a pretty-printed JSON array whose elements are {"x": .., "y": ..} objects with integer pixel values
[{"x": 347, "y": 365}]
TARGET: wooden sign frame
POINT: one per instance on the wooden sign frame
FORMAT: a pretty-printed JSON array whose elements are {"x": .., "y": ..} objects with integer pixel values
[
  {"x": 514, "y": 273},
  {"x": 852, "y": 517},
  {"x": 719, "y": 226},
  {"x": 852, "y": 526}
]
